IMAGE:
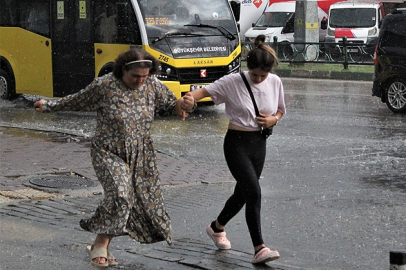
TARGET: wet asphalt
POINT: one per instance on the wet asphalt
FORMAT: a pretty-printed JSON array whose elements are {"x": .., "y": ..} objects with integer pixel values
[{"x": 333, "y": 189}]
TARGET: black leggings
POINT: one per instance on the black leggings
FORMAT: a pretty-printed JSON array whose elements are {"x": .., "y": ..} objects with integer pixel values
[{"x": 245, "y": 155}]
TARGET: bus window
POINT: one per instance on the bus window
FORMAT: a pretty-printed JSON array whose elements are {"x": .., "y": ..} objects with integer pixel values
[
  {"x": 7, "y": 13},
  {"x": 34, "y": 16},
  {"x": 128, "y": 27},
  {"x": 107, "y": 23}
]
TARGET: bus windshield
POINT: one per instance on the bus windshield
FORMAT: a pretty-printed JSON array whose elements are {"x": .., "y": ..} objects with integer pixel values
[
  {"x": 164, "y": 16},
  {"x": 353, "y": 17},
  {"x": 273, "y": 19},
  {"x": 178, "y": 28}
]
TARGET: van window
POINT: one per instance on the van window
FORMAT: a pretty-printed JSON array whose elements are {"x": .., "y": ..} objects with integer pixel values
[
  {"x": 273, "y": 19},
  {"x": 353, "y": 17}
]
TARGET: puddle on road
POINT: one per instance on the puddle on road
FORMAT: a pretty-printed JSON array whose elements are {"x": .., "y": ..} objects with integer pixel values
[{"x": 48, "y": 136}]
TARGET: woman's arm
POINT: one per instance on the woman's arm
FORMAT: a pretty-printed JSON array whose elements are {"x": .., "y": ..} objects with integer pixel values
[
  {"x": 188, "y": 102},
  {"x": 87, "y": 99},
  {"x": 198, "y": 94}
]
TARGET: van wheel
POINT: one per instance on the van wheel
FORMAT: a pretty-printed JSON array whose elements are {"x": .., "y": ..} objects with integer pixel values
[
  {"x": 396, "y": 96},
  {"x": 6, "y": 89}
]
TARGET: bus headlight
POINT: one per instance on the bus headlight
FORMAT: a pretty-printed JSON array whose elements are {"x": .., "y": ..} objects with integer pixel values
[
  {"x": 167, "y": 73},
  {"x": 234, "y": 66},
  {"x": 331, "y": 32}
]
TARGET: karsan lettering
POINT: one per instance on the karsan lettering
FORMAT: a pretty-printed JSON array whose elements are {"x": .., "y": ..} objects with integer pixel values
[{"x": 203, "y": 62}]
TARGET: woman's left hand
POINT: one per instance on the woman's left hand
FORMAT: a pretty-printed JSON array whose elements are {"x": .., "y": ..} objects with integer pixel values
[{"x": 266, "y": 120}]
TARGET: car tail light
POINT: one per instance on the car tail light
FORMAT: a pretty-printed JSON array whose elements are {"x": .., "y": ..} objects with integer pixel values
[{"x": 375, "y": 52}]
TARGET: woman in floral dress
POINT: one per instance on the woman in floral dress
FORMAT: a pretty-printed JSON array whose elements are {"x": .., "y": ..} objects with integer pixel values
[{"x": 122, "y": 151}]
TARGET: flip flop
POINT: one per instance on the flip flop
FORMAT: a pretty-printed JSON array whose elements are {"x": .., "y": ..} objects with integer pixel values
[{"x": 97, "y": 253}]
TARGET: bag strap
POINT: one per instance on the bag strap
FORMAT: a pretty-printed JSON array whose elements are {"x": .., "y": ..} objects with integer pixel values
[{"x": 251, "y": 95}]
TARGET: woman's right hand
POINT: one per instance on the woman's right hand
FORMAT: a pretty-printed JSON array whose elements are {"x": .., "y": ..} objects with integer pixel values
[{"x": 38, "y": 105}]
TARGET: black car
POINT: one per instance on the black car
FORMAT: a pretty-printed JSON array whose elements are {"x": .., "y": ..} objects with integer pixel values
[{"x": 390, "y": 62}]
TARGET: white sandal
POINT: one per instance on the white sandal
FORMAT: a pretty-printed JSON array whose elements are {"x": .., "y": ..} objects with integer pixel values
[{"x": 97, "y": 253}]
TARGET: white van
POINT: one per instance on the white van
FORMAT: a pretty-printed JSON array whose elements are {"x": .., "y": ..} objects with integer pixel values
[
  {"x": 278, "y": 21},
  {"x": 249, "y": 11},
  {"x": 359, "y": 22}
]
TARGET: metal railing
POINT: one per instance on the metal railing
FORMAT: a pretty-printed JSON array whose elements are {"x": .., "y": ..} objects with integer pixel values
[{"x": 343, "y": 52}]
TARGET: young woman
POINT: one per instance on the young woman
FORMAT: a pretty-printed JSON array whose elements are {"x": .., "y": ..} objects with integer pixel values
[
  {"x": 122, "y": 151},
  {"x": 244, "y": 146}
]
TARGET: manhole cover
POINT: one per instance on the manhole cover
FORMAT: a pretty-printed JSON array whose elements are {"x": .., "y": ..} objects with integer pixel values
[{"x": 68, "y": 182}]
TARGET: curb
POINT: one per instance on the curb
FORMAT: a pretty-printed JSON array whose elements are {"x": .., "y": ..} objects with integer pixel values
[{"x": 317, "y": 74}]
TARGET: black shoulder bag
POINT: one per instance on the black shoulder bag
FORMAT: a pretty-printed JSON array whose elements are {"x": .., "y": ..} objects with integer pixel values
[{"x": 265, "y": 132}]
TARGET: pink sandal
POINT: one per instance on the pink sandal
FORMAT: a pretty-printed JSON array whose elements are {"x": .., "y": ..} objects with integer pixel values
[{"x": 219, "y": 239}]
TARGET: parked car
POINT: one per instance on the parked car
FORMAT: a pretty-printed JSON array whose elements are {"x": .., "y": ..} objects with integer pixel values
[{"x": 389, "y": 82}]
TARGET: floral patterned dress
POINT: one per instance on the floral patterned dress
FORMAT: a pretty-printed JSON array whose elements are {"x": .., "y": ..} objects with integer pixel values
[{"x": 123, "y": 156}]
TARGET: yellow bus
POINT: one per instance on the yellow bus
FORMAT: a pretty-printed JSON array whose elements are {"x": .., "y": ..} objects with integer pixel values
[{"x": 55, "y": 48}]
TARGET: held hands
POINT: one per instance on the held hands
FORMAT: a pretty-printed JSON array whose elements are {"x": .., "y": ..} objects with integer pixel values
[
  {"x": 187, "y": 104},
  {"x": 266, "y": 120},
  {"x": 38, "y": 105}
]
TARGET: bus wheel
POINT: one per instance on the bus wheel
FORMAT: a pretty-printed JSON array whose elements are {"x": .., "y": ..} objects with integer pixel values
[{"x": 6, "y": 91}]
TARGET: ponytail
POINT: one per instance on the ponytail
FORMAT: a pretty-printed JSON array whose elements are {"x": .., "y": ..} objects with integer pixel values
[{"x": 262, "y": 56}]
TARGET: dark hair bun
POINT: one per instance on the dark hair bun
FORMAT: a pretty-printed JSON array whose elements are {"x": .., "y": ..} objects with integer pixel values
[{"x": 259, "y": 40}]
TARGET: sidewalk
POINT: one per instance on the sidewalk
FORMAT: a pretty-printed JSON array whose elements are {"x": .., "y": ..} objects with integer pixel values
[
  {"x": 39, "y": 225},
  {"x": 29, "y": 154}
]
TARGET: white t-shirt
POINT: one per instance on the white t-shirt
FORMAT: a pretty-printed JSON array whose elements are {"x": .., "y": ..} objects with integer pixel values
[{"x": 232, "y": 91}]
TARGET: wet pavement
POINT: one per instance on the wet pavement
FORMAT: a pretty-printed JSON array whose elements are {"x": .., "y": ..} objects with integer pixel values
[
  {"x": 39, "y": 225},
  {"x": 334, "y": 195}
]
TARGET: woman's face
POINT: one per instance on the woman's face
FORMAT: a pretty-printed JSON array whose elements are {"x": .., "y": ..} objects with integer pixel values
[
  {"x": 135, "y": 78},
  {"x": 257, "y": 75}
]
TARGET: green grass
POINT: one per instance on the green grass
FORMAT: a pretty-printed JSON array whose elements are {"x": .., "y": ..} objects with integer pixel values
[{"x": 321, "y": 66}]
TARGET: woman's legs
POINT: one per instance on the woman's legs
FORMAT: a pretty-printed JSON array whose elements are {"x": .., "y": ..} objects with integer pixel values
[{"x": 245, "y": 156}]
